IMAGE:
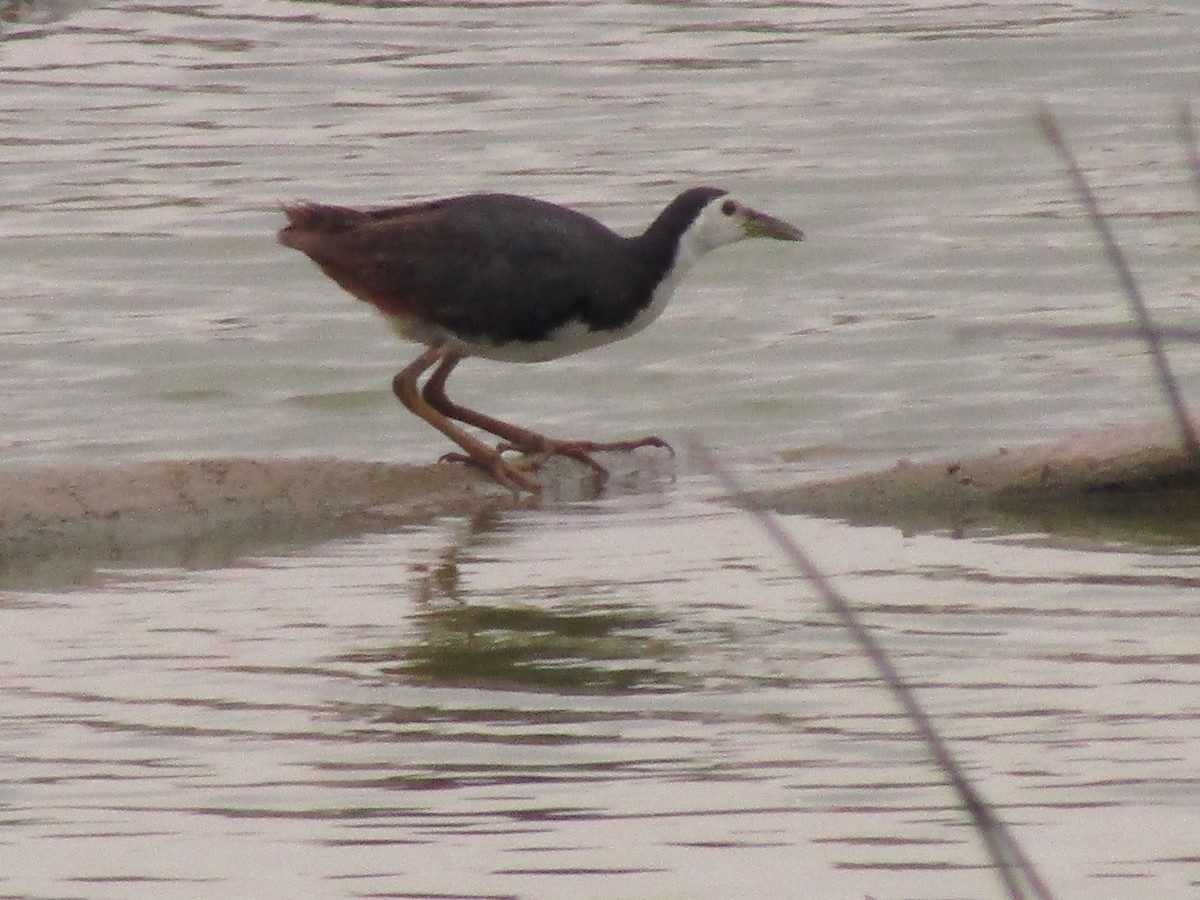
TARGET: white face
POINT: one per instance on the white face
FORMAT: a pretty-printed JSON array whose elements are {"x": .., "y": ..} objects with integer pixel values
[
  {"x": 718, "y": 224},
  {"x": 725, "y": 220}
]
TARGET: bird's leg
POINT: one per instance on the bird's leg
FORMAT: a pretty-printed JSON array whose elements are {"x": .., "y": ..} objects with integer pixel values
[
  {"x": 434, "y": 393},
  {"x": 404, "y": 385},
  {"x": 536, "y": 445}
]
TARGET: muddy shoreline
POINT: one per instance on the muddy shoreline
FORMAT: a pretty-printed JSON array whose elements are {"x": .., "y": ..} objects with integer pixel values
[
  {"x": 1130, "y": 483},
  {"x": 1133, "y": 483},
  {"x": 206, "y": 511}
]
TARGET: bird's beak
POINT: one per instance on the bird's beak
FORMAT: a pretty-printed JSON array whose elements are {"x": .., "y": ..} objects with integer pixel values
[{"x": 760, "y": 225}]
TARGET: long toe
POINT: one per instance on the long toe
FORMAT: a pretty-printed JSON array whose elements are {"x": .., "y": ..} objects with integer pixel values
[
  {"x": 533, "y": 458},
  {"x": 513, "y": 478},
  {"x": 503, "y": 473},
  {"x": 651, "y": 440},
  {"x": 623, "y": 446},
  {"x": 576, "y": 450}
]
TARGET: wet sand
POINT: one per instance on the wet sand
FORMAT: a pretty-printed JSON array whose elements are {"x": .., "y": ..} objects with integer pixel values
[
  {"x": 1128, "y": 483},
  {"x": 205, "y": 510},
  {"x": 1134, "y": 480}
]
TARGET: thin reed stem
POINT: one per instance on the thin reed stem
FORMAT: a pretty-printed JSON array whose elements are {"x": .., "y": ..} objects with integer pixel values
[
  {"x": 1129, "y": 285},
  {"x": 1013, "y": 867}
]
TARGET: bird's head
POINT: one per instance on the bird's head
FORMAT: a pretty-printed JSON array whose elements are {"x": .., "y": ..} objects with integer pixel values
[
  {"x": 704, "y": 218},
  {"x": 724, "y": 219},
  {"x": 728, "y": 219}
]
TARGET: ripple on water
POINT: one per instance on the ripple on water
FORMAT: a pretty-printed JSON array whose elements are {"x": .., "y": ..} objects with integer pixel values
[{"x": 630, "y": 696}]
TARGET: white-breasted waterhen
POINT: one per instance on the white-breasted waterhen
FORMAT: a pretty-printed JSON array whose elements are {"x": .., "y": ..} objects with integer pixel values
[{"x": 515, "y": 279}]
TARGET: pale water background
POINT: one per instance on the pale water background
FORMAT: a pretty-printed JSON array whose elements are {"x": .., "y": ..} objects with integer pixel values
[{"x": 631, "y": 697}]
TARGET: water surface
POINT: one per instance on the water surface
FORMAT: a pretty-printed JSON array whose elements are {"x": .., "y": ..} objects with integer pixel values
[{"x": 629, "y": 697}]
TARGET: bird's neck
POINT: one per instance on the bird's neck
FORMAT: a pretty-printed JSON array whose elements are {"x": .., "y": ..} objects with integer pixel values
[
  {"x": 670, "y": 246},
  {"x": 667, "y": 256}
]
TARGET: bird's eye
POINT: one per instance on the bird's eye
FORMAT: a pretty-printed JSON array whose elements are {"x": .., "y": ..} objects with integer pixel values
[{"x": 729, "y": 207}]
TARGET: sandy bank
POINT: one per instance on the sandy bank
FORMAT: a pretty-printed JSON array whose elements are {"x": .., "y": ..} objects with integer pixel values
[
  {"x": 174, "y": 510},
  {"x": 1131, "y": 483}
]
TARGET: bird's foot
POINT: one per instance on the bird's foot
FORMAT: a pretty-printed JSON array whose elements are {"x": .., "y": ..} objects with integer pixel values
[
  {"x": 626, "y": 446},
  {"x": 514, "y": 474},
  {"x": 510, "y": 475},
  {"x": 544, "y": 448}
]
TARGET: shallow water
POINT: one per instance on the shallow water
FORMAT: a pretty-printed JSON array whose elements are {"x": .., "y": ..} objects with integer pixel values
[
  {"x": 478, "y": 709},
  {"x": 634, "y": 696}
]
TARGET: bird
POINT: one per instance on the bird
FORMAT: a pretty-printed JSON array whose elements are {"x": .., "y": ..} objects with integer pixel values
[{"x": 514, "y": 279}]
